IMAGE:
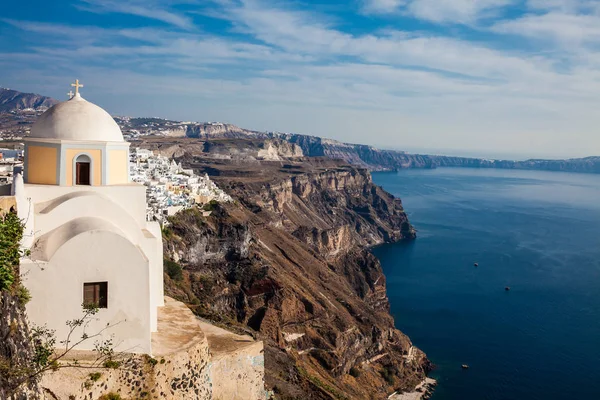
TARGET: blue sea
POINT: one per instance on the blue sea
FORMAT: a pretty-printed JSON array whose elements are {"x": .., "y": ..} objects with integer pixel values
[{"x": 535, "y": 232}]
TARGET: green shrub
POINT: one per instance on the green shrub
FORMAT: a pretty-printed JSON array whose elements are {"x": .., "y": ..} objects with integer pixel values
[
  {"x": 111, "y": 396},
  {"x": 167, "y": 233},
  {"x": 211, "y": 205},
  {"x": 111, "y": 364},
  {"x": 152, "y": 361},
  {"x": 388, "y": 373},
  {"x": 173, "y": 269},
  {"x": 94, "y": 376},
  {"x": 355, "y": 372},
  {"x": 23, "y": 294},
  {"x": 11, "y": 233}
]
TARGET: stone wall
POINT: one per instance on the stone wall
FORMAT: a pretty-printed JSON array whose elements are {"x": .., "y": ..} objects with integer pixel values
[
  {"x": 192, "y": 360},
  {"x": 237, "y": 365},
  {"x": 6, "y": 203},
  {"x": 180, "y": 376},
  {"x": 178, "y": 369}
]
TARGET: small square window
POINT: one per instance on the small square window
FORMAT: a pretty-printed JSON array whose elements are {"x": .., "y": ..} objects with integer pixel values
[{"x": 95, "y": 294}]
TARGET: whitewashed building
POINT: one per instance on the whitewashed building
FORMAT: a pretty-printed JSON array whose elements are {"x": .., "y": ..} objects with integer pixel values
[
  {"x": 170, "y": 187},
  {"x": 86, "y": 228}
]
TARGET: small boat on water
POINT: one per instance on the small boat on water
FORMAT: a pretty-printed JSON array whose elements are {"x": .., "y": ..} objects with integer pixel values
[
  {"x": 507, "y": 288},
  {"x": 465, "y": 366},
  {"x": 476, "y": 264}
]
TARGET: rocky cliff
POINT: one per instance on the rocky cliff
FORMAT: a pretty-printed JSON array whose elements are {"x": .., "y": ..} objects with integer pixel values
[
  {"x": 11, "y": 100},
  {"x": 369, "y": 157},
  {"x": 390, "y": 160},
  {"x": 16, "y": 351},
  {"x": 243, "y": 150},
  {"x": 209, "y": 130},
  {"x": 288, "y": 262},
  {"x": 18, "y": 356}
]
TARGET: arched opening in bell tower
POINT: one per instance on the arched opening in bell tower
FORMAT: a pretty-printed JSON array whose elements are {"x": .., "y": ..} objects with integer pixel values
[{"x": 83, "y": 170}]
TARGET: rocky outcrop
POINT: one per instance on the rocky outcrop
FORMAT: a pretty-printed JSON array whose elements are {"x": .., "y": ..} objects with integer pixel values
[
  {"x": 210, "y": 130},
  {"x": 278, "y": 150},
  {"x": 358, "y": 154},
  {"x": 18, "y": 364},
  {"x": 11, "y": 100},
  {"x": 245, "y": 150},
  {"x": 289, "y": 263},
  {"x": 16, "y": 351},
  {"x": 333, "y": 208},
  {"x": 391, "y": 160}
]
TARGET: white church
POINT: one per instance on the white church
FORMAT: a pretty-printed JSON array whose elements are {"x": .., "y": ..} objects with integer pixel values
[{"x": 85, "y": 224}]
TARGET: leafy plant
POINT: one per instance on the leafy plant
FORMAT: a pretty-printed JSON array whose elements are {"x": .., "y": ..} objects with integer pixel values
[
  {"x": 173, "y": 269},
  {"x": 211, "y": 205},
  {"x": 112, "y": 364},
  {"x": 11, "y": 233},
  {"x": 110, "y": 396},
  {"x": 355, "y": 372},
  {"x": 48, "y": 354},
  {"x": 95, "y": 376},
  {"x": 152, "y": 361}
]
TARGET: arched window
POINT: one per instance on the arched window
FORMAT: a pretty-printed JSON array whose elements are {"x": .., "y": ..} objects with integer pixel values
[{"x": 83, "y": 170}]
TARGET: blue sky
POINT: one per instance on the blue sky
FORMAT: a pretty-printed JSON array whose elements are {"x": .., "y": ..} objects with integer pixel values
[{"x": 488, "y": 77}]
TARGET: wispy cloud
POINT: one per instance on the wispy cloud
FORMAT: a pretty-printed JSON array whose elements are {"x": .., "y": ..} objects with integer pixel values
[
  {"x": 148, "y": 9},
  {"x": 478, "y": 78},
  {"x": 567, "y": 29},
  {"x": 383, "y": 6},
  {"x": 569, "y": 23},
  {"x": 441, "y": 11}
]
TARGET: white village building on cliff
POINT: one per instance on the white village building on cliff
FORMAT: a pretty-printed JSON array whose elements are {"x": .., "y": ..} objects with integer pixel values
[
  {"x": 91, "y": 243},
  {"x": 170, "y": 187},
  {"x": 86, "y": 228}
]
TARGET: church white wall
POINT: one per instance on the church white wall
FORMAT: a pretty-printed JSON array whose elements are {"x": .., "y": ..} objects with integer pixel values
[
  {"x": 131, "y": 197},
  {"x": 149, "y": 245},
  {"x": 81, "y": 205},
  {"x": 154, "y": 228},
  {"x": 25, "y": 210},
  {"x": 56, "y": 288}
]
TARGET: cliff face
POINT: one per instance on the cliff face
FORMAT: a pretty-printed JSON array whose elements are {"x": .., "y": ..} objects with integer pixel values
[
  {"x": 359, "y": 154},
  {"x": 16, "y": 350},
  {"x": 334, "y": 209},
  {"x": 288, "y": 262},
  {"x": 217, "y": 130},
  {"x": 278, "y": 150},
  {"x": 244, "y": 150},
  {"x": 18, "y": 380},
  {"x": 390, "y": 160}
]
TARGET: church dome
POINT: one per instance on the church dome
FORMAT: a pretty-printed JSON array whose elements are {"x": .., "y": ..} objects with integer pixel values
[{"x": 77, "y": 119}]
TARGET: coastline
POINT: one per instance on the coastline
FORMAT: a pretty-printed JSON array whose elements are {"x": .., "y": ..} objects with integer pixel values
[{"x": 422, "y": 391}]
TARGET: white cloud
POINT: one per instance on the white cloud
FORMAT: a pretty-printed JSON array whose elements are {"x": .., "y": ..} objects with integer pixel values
[
  {"x": 567, "y": 6},
  {"x": 568, "y": 29},
  {"x": 383, "y": 6},
  {"x": 441, "y": 11},
  {"x": 297, "y": 71},
  {"x": 456, "y": 11},
  {"x": 147, "y": 9}
]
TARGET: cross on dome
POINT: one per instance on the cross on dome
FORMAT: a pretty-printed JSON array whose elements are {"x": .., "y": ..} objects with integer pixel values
[
  {"x": 76, "y": 120},
  {"x": 70, "y": 94},
  {"x": 77, "y": 85}
]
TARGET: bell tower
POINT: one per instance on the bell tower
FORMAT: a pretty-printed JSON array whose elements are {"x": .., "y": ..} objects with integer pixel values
[{"x": 76, "y": 143}]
